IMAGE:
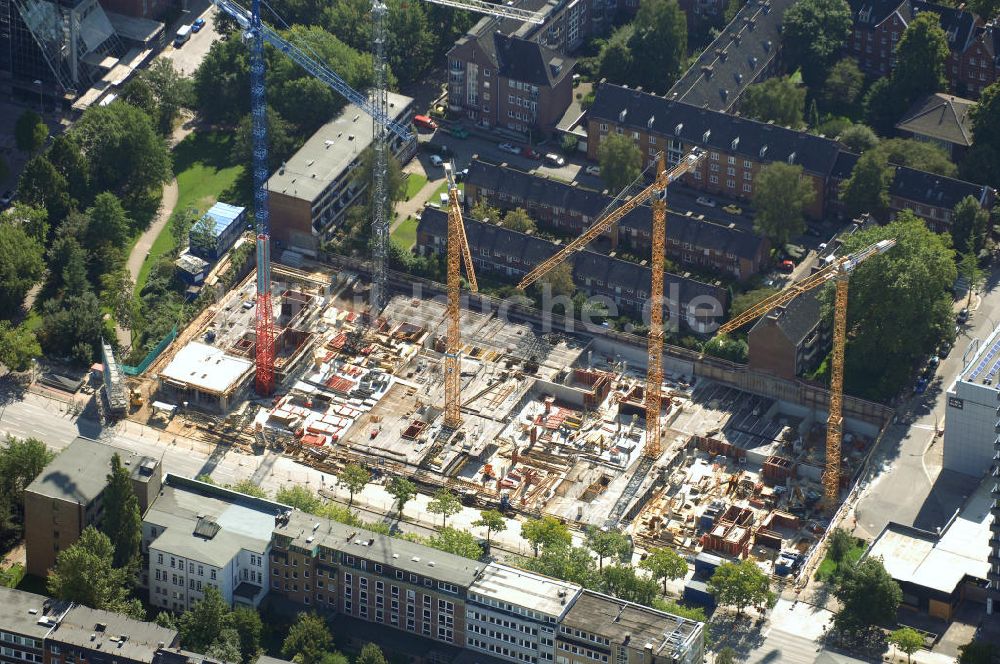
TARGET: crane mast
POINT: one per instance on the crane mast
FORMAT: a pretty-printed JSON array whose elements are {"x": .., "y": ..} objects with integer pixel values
[
  {"x": 380, "y": 160},
  {"x": 458, "y": 252},
  {"x": 840, "y": 273}
]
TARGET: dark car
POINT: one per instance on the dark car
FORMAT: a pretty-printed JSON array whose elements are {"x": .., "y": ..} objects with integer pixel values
[
  {"x": 921, "y": 385},
  {"x": 197, "y": 25},
  {"x": 963, "y": 316}
]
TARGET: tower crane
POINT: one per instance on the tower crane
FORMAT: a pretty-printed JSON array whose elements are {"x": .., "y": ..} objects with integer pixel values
[
  {"x": 256, "y": 32},
  {"x": 839, "y": 271},
  {"x": 458, "y": 252},
  {"x": 657, "y": 191},
  {"x": 380, "y": 143}
]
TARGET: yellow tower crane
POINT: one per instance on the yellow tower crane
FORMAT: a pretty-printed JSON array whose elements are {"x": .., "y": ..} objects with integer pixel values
[
  {"x": 839, "y": 271},
  {"x": 458, "y": 252},
  {"x": 657, "y": 191}
]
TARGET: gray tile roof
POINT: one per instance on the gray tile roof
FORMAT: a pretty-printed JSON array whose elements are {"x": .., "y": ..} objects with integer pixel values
[
  {"x": 756, "y": 141},
  {"x": 797, "y": 319},
  {"x": 935, "y": 190},
  {"x": 530, "y": 62},
  {"x": 873, "y": 12},
  {"x": 940, "y": 116},
  {"x": 735, "y": 58},
  {"x": 958, "y": 25}
]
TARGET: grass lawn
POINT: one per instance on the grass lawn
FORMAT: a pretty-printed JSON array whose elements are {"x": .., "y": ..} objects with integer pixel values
[
  {"x": 443, "y": 189},
  {"x": 405, "y": 234},
  {"x": 827, "y": 568},
  {"x": 203, "y": 170},
  {"x": 414, "y": 183}
]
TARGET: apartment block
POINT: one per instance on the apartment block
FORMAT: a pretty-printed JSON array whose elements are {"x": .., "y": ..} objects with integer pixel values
[
  {"x": 91, "y": 636},
  {"x": 604, "y": 629},
  {"x": 198, "y": 535},
  {"x": 692, "y": 239},
  {"x": 25, "y": 620},
  {"x": 68, "y": 496},
  {"x": 329, "y": 566}
]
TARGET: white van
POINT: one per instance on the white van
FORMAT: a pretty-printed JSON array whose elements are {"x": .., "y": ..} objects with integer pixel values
[{"x": 183, "y": 34}]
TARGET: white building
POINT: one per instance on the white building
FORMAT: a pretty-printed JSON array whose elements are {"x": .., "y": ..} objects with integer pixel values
[
  {"x": 971, "y": 419},
  {"x": 512, "y": 614},
  {"x": 198, "y": 535}
]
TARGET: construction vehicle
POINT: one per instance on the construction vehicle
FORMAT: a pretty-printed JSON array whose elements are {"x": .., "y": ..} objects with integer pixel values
[
  {"x": 458, "y": 253},
  {"x": 135, "y": 399},
  {"x": 839, "y": 271},
  {"x": 657, "y": 191}
]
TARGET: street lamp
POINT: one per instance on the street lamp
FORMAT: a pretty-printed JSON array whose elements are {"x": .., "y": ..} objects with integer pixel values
[{"x": 41, "y": 108}]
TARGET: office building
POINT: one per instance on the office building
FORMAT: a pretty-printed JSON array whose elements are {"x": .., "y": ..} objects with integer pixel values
[{"x": 971, "y": 421}]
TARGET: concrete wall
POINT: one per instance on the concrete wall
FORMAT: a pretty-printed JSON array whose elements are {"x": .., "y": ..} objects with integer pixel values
[{"x": 970, "y": 428}]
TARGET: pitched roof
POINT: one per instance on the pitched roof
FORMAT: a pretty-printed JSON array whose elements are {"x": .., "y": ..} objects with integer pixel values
[
  {"x": 735, "y": 58},
  {"x": 754, "y": 140},
  {"x": 530, "y": 62},
  {"x": 532, "y": 250},
  {"x": 796, "y": 320},
  {"x": 958, "y": 24},
  {"x": 701, "y": 233},
  {"x": 536, "y": 188},
  {"x": 932, "y": 189},
  {"x": 873, "y": 12},
  {"x": 940, "y": 116}
]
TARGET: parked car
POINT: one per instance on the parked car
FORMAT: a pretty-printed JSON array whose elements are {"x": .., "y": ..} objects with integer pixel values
[
  {"x": 425, "y": 122},
  {"x": 963, "y": 317},
  {"x": 921, "y": 386},
  {"x": 197, "y": 25},
  {"x": 593, "y": 170},
  {"x": 933, "y": 361},
  {"x": 511, "y": 149},
  {"x": 705, "y": 200},
  {"x": 943, "y": 350},
  {"x": 733, "y": 209},
  {"x": 786, "y": 266},
  {"x": 436, "y": 160},
  {"x": 552, "y": 159},
  {"x": 531, "y": 154},
  {"x": 458, "y": 131}
]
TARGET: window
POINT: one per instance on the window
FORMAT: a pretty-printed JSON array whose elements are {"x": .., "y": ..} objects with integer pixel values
[
  {"x": 399, "y": 575},
  {"x": 378, "y": 566},
  {"x": 714, "y": 156},
  {"x": 413, "y": 579},
  {"x": 730, "y": 170},
  {"x": 349, "y": 560},
  {"x": 746, "y": 163},
  {"x": 748, "y": 176},
  {"x": 731, "y": 184},
  {"x": 159, "y": 558},
  {"x": 618, "y": 130},
  {"x": 635, "y": 136},
  {"x": 732, "y": 160},
  {"x": 212, "y": 575},
  {"x": 714, "y": 179},
  {"x": 697, "y": 175},
  {"x": 604, "y": 126},
  {"x": 747, "y": 187},
  {"x": 201, "y": 570}
]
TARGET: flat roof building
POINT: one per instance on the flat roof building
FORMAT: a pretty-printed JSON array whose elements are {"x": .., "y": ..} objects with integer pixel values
[
  {"x": 67, "y": 496},
  {"x": 217, "y": 231},
  {"x": 205, "y": 375},
  {"x": 310, "y": 193},
  {"x": 91, "y": 635},
  {"x": 970, "y": 423}
]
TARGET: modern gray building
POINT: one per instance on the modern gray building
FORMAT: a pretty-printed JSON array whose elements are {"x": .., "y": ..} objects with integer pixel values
[{"x": 972, "y": 419}]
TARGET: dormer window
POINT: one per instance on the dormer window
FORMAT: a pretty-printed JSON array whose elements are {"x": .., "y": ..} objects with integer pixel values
[
  {"x": 649, "y": 123},
  {"x": 735, "y": 144},
  {"x": 704, "y": 137},
  {"x": 678, "y": 128},
  {"x": 621, "y": 116},
  {"x": 791, "y": 158},
  {"x": 763, "y": 151}
]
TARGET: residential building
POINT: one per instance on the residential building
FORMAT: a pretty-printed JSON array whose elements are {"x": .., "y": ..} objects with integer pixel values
[
  {"x": 330, "y": 566},
  {"x": 791, "y": 340},
  {"x": 971, "y": 424},
  {"x": 879, "y": 25},
  {"x": 599, "y": 628},
  {"x": 310, "y": 193},
  {"x": 512, "y": 614},
  {"x": 217, "y": 231},
  {"x": 738, "y": 148},
  {"x": 91, "y": 636},
  {"x": 25, "y": 620},
  {"x": 940, "y": 119},
  {"x": 569, "y": 209},
  {"x": 747, "y": 51},
  {"x": 68, "y": 495},
  {"x": 621, "y": 285},
  {"x": 198, "y": 535}
]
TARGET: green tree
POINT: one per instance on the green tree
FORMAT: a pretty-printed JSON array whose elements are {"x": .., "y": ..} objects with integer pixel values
[
  {"x": 249, "y": 488},
  {"x": 72, "y": 326},
  {"x": 66, "y": 157},
  {"x": 124, "y": 152},
  {"x": 883, "y": 106},
  {"x": 968, "y": 226},
  {"x": 172, "y": 91},
  {"x": 109, "y": 223},
  {"x": 920, "y": 155},
  {"x": 199, "y": 626},
  {"x": 986, "y": 9},
  {"x": 299, "y": 497},
  {"x": 518, "y": 220},
  {"x": 335, "y": 658},
  {"x": 225, "y": 647},
  {"x": 975, "y": 276},
  {"x": 281, "y": 140},
  {"x": 690, "y": 612},
  {"x": 664, "y": 565},
  {"x": 122, "y": 521},
  {"x": 900, "y": 305},
  {"x": 858, "y": 138},
  {"x": 21, "y": 266},
  {"x": 621, "y": 161},
  {"x": 920, "y": 59},
  {"x": 21, "y": 461},
  {"x": 85, "y": 573},
  {"x": 841, "y": 91},
  {"x": 658, "y": 45},
  {"x": 607, "y": 544},
  {"x": 726, "y": 656},
  {"x": 403, "y": 490},
  {"x": 741, "y": 585},
  {"x": 355, "y": 479},
  {"x": 908, "y": 640},
  {"x": 839, "y": 544},
  {"x": 444, "y": 503},
  {"x": 546, "y": 532},
  {"x": 308, "y": 640},
  {"x": 493, "y": 521},
  {"x": 781, "y": 195},
  {"x": 780, "y": 100},
  {"x": 30, "y": 132},
  {"x": 371, "y": 654},
  {"x": 18, "y": 346},
  {"x": 458, "y": 542},
  {"x": 982, "y": 162},
  {"x": 621, "y": 581},
  {"x": 867, "y": 190},
  {"x": 43, "y": 186},
  {"x": 615, "y": 60},
  {"x": 728, "y": 348},
  {"x": 559, "y": 280},
  {"x": 569, "y": 563},
  {"x": 868, "y": 597},
  {"x": 117, "y": 296},
  {"x": 483, "y": 211},
  {"x": 977, "y": 652},
  {"x": 813, "y": 34},
  {"x": 34, "y": 219},
  {"x": 749, "y": 299}
]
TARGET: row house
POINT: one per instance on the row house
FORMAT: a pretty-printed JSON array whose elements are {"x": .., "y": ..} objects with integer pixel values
[
  {"x": 691, "y": 239},
  {"x": 620, "y": 284},
  {"x": 790, "y": 340},
  {"x": 878, "y": 25},
  {"x": 738, "y": 148}
]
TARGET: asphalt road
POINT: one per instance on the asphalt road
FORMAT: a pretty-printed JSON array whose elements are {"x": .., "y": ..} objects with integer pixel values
[{"x": 908, "y": 463}]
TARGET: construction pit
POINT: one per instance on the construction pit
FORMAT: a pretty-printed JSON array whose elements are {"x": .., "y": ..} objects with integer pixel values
[{"x": 553, "y": 424}]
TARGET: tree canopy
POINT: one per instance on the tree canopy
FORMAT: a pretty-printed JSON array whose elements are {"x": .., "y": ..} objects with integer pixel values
[
  {"x": 780, "y": 100},
  {"x": 782, "y": 192},
  {"x": 982, "y": 162},
  {"x": 122, "y": 521},
  {"x": 741, "y": 585},
  {"x": 18, "y": 346},
  {"x": 867, "y": 190},
  {"x": 968, "y": 226},
  {"x": 30, "y": 131},
  {"x": 868, "y": 597},
  {"x": 813, "y": 34},
  {"x": 546, "y": 532},
  {"x": 402, "y": 490},
  {"x": 355, "y": 479},
  {"x": 621, "y": 161},
  {"x": 444, "y": 503},
  {"x": 908, "y": 640},
  {"x": 85, "y": 573},
  {"x": 21, "y": 266},
  {"x": 664, "y": 564},
  {"x": 841, "y": 92},
  {"x": 858, "y": 138},
  {"x": 921, "y": 58},
  {"x": 21, "y": 461},
  {"x": 650, "y": 51},
  {"x": 493, "y": 521},
  {"x": 308, "y": 640},
  {"x": 459, "y": 542},
  {"x": 608, "y": 544}
]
